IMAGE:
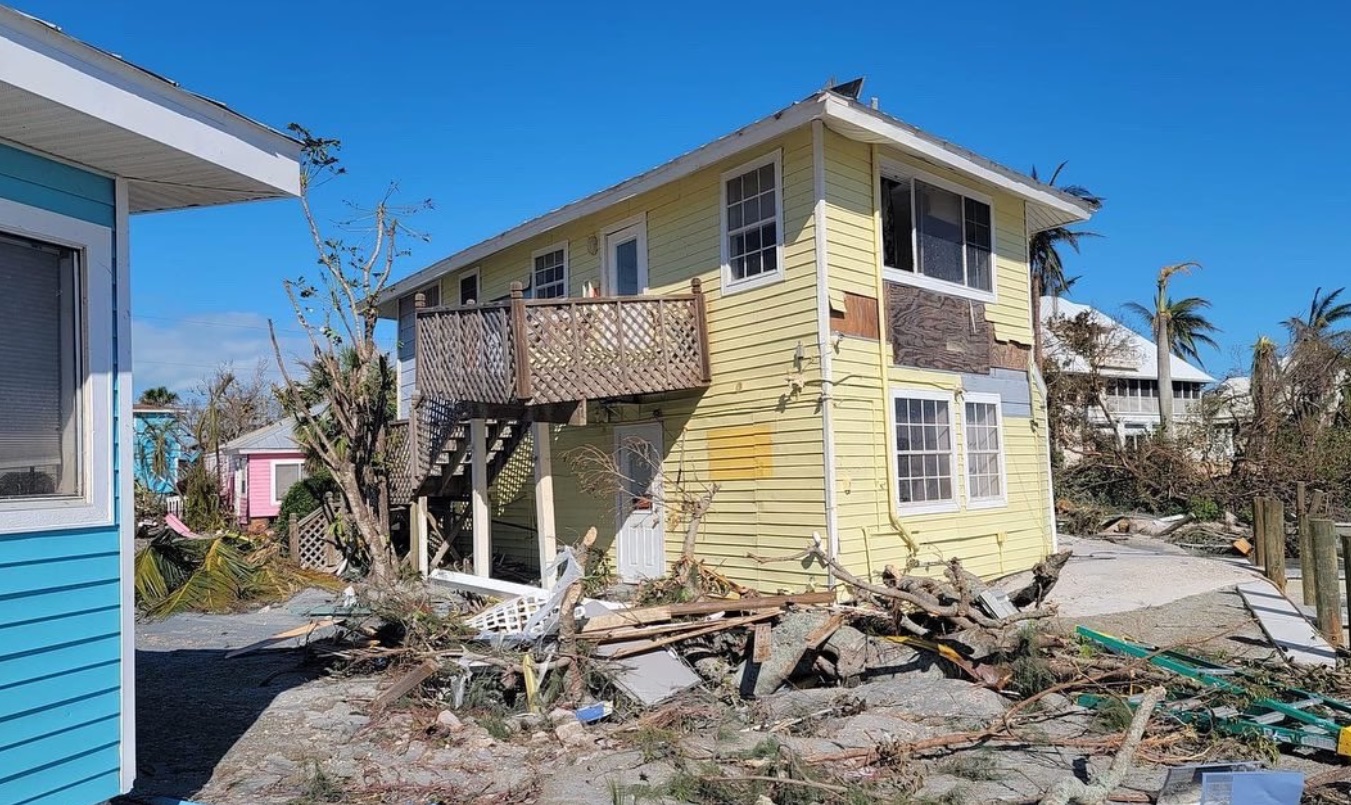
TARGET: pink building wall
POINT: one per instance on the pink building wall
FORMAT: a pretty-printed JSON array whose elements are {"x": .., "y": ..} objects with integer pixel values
[{"x": 260, "y": 482}]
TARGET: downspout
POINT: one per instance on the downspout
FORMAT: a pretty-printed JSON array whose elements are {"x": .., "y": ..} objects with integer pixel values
[
  {"x": 884, "y": 362},
  {"x": 823, "y": 345}
]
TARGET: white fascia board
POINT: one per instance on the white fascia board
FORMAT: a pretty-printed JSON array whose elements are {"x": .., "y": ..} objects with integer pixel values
[
  {"x": 49, "y": 64},
  {"x": 856, "y": 120},
  {"x": 756, "y": 134}
]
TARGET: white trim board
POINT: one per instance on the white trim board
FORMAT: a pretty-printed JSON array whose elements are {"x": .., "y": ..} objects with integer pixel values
[
  {"x": 95, "y": 505},
  {"x": 126, "y": 513}
]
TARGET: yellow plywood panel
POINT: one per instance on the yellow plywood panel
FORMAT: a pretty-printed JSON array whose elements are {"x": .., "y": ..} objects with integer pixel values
[{"x": 740, "y": 453}]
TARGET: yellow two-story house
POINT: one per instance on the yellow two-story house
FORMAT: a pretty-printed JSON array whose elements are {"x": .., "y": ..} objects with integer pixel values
[{"x": 819, "y": 324}]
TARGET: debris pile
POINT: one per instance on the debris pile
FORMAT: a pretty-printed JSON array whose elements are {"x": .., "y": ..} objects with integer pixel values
[{"x": 908, "y": 676}]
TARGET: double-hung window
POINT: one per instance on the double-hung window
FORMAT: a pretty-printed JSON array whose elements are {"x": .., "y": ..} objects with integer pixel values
[
  {"x": 752, "y": 230},
  {"x": 925, "y": 459},
  {"x": 926, "y": 441},
  {"x": 550, "y": 277},
  {"x": 42, "y": 354},
  {"x": 937, "y": 235},
  {"x": 981, "y": 427}
]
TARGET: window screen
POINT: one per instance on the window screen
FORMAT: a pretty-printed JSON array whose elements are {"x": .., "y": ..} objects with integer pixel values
[
  {"x": 40, "y": 366},
  {"x": 285, "y": 476}
]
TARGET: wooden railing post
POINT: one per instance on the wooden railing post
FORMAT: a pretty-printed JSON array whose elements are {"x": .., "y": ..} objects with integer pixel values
[
  {"x": 1328, "y": 589},
  {"x": 520, "y": 349},
  {"x": 701, "y": 320},
  {"x": 1259, "y": 531},
  {"x": 1275, "y": 558},
  {"x": 294, "y": 542}
]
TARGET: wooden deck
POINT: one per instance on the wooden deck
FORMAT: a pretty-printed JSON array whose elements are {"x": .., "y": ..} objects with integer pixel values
[{"x": 538, "y": 352}]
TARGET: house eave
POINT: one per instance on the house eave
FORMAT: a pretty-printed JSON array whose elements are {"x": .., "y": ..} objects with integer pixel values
[{"x": 68, "y": 100}]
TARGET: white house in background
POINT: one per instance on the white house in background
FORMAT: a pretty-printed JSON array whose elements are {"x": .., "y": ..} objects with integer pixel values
[{"x": 1132, "y": 369}]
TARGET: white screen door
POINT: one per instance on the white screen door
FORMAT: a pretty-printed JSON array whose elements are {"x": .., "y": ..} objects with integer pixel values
[
  {"x": 626, "y": 260},
  {"x": 640, "y": 546}
]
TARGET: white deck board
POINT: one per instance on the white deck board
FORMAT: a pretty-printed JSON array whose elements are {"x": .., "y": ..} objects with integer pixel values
[{"x": 1292, "y": 633}]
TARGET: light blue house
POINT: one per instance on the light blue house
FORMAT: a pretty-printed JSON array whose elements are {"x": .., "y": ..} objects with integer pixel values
[
  {"x": 86, "y": 141},
  {"x": 161, "y": 442}
]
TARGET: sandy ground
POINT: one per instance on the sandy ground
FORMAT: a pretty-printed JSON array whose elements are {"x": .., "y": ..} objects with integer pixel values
[{"x": 255, "y": 730}]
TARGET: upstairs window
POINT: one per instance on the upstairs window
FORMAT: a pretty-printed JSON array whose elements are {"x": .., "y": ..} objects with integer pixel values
[
  {"x": 550, "y": 279},
  {"x": 469, "y": 288},
  {"x": 935, "y": 236},
  {"x": 752, "y": 234},
  {"x": 41, "y": 354}
]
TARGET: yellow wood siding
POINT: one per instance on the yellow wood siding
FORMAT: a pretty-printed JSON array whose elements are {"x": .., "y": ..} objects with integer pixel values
[
  {"x": 989, "y": 541},
  {"x": 753, "y": 337}
]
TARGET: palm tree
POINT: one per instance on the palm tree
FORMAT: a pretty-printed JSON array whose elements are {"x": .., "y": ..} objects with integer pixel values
[
  {"x": 1324, "y": 313},
  {"x": 1044, "y": 258},
  {"x": 1161, "y": 318},
  {"x": 159, "y": 396},
  {"x": 1188, "y": 326}
]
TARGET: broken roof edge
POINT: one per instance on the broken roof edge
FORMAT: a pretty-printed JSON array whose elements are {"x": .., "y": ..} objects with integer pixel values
[{"x": 849, "y": 118}]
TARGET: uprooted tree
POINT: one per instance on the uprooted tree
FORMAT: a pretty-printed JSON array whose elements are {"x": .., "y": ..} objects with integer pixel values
[{"x": 344, "y": 406}]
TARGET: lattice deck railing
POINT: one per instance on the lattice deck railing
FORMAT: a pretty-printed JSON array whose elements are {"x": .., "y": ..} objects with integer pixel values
[{"x": 536, "y": 352}]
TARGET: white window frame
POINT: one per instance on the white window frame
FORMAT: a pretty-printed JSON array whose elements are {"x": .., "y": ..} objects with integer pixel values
[
  {"x": 478, "y": 281},
  {"x": 973, "y": 502},
  {"x": 273, "y": 464},
  {"x": 730, "y": 286},
  {"x": 958, "y": 471},
  {"x": 567, "y": 269},
  {"x": 93, "y": 506},
  {"x": 607, "y": 270},
  {"x": 900, "y": 171}
]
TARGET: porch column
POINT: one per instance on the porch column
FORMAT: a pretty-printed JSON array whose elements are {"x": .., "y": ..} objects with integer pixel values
[
  {"x": 417, "y": 534},
  {"x": 544, "y": 497},
  {"x": 478, "y": 503}
]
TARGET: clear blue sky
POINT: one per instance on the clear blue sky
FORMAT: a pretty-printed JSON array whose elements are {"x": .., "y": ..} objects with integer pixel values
[{"x": 1216, "y": 131}]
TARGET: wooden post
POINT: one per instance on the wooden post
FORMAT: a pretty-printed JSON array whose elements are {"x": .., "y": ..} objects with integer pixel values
[
  {"x": 1301, "y": 499},
  {"x": 519, "y": 348},
  {"x": 1259, "y": 531},
  {"x": 1306, "y": 578},
  {"x": 1275, "y": 542},
  {"x": 701, "y": 321},
  {"x": 541, "y": 435},
  {"x": 294, "y": 534},
  {"x": 1328, "y": 590},
  {"x": 1317, "y": 499},
  {"x": 1346, "y": 564},
  {"x": 417, "y": 534},
  {"x": 478, "y": 504}
]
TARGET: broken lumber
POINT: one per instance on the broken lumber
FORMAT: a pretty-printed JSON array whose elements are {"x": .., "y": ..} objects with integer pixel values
[
  {"x": 823, "y": 632},
  {"x": 707, "y": 628},
  {"x": 281, "y": 637},
  {"x": 642, "y": 615},
  {"x": 405, "y": 684},
  {"x": 761, "y": 635}
]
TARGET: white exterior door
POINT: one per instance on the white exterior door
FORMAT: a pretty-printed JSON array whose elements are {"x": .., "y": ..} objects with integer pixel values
[
  {"x": 626, "y": 259},
  {"x": 640, "y": 544}
]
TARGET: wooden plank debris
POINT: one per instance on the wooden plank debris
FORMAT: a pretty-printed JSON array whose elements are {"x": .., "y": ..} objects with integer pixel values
[
  {"x": 643, "y": 615},
  {"x": 652, "y": 675},
  {"x": 404, "y": 684},
  {"x": 823, "y": 632},
  {"x": 281, "y": 637},
  {"x": 704, "y": 628},
  {"x": 761, "y": 636},
  {"x": 1296, "y": 638}
]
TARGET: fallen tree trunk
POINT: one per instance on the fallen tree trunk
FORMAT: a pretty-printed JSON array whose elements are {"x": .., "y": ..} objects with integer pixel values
[
  {"x": 1044, "y": 576},
  {"x": 1072, "y": 789}
]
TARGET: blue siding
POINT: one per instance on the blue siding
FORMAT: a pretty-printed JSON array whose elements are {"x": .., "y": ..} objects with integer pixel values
[
  {"x": 60, "y": 591},
  {"x": 55, "y": 186},
  {"x": 1015, "y": 395}
]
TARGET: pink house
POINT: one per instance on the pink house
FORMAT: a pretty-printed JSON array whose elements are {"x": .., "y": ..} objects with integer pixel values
[{"x": 262, "y": 466}]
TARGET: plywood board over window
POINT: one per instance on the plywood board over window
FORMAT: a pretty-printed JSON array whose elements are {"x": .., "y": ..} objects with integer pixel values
[{"x": 855, "y": 315}]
